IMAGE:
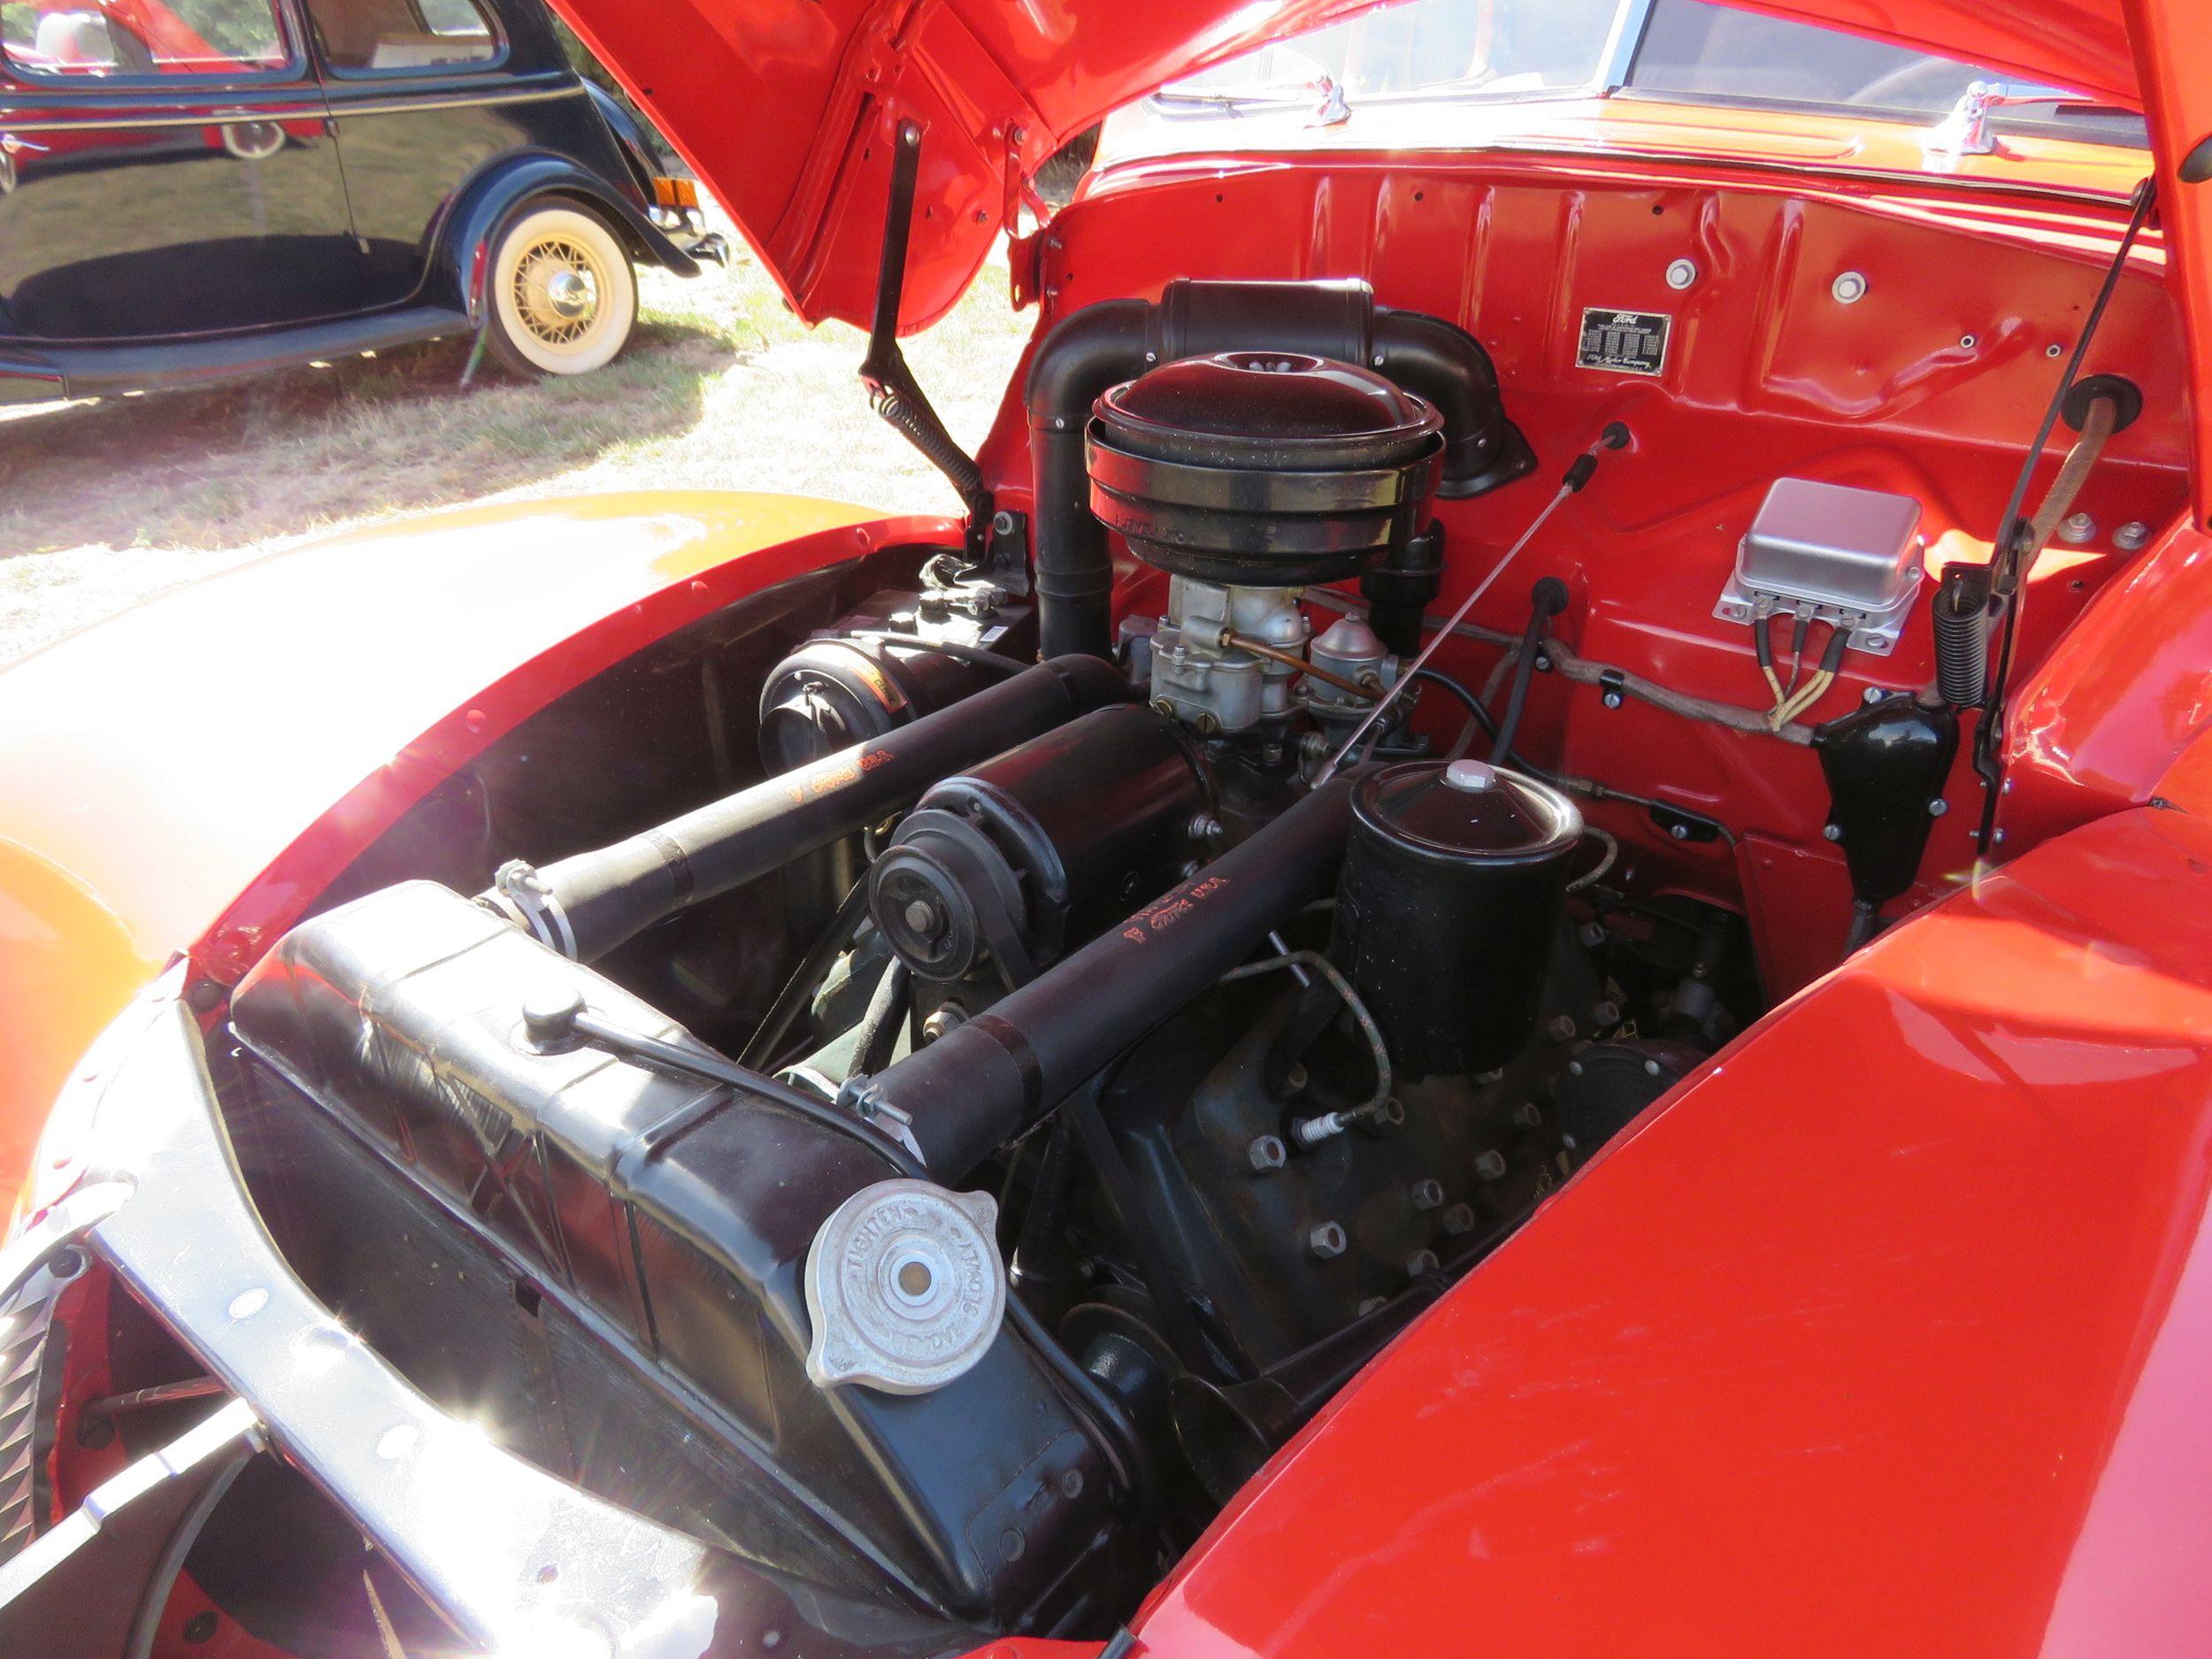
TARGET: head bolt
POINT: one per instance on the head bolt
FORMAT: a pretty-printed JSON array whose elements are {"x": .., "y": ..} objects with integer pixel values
[
  {"x": 1593, "y": 935},
  {"x": 1459, "y": 1218},
  {"x": 1419, "y": 1263},
  {"x": 2078, "y": 530},
  {"x": 1607, "y": 1014},
  {"x": 1327, "y": 1240},
  {"x": 2132, "y": 535},
  {"x": 1528, "y": 1114},
  {"x": 1491, "y": 1165},
  {"x": 1680, "y": 831},
  {"x": 1297, "y": 1077},
  {"x": 1427, "y": 1195},
  {"x": 1832, "y": 831},
  {"x": 1563, "y": 1026},
  {"x": 1681, "y": 273},
  {"x": 1267, "y": 1155}
]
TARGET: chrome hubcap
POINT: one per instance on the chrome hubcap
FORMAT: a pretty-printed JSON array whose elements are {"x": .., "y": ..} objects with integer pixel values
[{"x": 557, "y": 288}]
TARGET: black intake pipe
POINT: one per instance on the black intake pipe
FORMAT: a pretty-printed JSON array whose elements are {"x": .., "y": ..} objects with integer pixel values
[
  {"x": 988, "y": 1080},
  {"x": 586, "y": 905},
  {"x": 1102, "y": 345}
]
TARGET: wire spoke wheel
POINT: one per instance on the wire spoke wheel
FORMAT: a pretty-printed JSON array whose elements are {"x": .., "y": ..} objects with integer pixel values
[{"x": 562, "y": 294}]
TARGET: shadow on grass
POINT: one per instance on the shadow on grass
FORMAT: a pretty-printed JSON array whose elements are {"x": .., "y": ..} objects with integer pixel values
[{"x": 232, "y": 465}]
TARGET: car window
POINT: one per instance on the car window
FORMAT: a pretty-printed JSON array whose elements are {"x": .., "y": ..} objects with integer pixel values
[
  {"x": 1694, "y": 48},
  {"x": 379, "y": 36},
  {"x": 145, "y": 37},
  {"x": 1491, "y": 47}
]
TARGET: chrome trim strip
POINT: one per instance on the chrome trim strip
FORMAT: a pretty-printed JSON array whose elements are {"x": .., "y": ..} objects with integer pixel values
[{"x": 338, "y": 111}]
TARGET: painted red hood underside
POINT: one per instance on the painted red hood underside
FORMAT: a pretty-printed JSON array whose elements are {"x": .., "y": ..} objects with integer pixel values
[{"x": 784, "y": 106}]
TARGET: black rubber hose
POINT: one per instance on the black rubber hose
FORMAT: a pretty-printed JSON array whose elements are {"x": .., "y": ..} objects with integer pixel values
[
  {"x": 986, "y": 1081},
  {"x": 879, "y": 1033},
  {"x": 1547, "y": 600},
  {"x": 587, "y": 904}
]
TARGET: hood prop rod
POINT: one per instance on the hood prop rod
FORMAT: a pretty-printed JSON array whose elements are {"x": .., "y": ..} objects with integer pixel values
[
  {"x": 2020, "y": 539},
  {"x": 893, "y": 391}
]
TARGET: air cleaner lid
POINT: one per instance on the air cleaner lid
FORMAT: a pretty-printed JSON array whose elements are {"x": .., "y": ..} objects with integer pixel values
[
  {"x": 1467, "y": 810},
  {"x": 1277, "y": 410}
]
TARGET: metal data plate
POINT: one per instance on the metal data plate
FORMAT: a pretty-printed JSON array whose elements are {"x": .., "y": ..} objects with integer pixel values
[{"x": 1834, "y": 553}]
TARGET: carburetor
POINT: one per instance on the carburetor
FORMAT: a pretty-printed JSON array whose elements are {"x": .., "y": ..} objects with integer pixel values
[{"x": 1248, "y": 476}]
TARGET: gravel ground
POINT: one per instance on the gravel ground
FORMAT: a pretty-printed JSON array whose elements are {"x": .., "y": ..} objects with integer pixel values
[{"x": 103, "y": 503}]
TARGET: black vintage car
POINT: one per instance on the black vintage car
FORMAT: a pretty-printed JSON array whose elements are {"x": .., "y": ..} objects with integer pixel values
[{"x": 191, "y": 189}]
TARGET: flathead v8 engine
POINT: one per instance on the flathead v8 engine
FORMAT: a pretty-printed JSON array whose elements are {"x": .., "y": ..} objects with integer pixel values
[{"x": 1161, "y": 1032}]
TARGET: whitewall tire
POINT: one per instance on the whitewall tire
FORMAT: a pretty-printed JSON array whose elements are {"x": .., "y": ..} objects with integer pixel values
[{"x": 563, "y": 293}]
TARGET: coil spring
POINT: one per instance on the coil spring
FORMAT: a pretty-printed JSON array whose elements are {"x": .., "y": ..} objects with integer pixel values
[{"x": 1962, "y": 637}]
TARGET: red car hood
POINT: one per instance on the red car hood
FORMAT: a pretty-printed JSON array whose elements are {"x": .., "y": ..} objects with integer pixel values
[{"x": 784, "y": 106}]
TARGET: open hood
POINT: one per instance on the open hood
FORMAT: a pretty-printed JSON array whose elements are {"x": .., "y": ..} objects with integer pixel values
[{"x": 785, "y": 107}]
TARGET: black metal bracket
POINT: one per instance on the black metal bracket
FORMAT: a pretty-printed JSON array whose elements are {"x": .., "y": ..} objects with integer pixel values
[
  {"x": 1682, "y": 826},
  {"x": 892, "y": 389}
]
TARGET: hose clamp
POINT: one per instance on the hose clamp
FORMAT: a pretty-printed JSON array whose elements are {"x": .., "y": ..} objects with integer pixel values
[{"x": 527, "y": 894}]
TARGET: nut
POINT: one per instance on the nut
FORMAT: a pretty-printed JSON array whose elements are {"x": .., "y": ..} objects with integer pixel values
[
  {"x": 1419, "y": 1263},
  {"x": 1563, "y": 1026},
  {"x": 948, "y": 1017},
  {"x": 1491, "y": 1165},
  {"x": 1528, "y": 1114},
  {"x": 1327, "y": 1240},
  {"x": 1458, "y": 1219},
  {"x": 1268, "y": 1154},
  {"x": 1427, "y": 1195}
]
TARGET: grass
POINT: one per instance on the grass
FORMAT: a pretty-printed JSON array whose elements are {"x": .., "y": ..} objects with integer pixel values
[{"x": 103, "y": 503}]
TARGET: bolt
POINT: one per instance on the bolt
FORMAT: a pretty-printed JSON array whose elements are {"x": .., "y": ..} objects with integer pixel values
[
  {"x": 2078, "y": 530},
  {"x": 205, "y": 996},
  {"x": 1872, "y": 694},
  {"x": 1574, "y": 1068},
  {"x": 1419, "y": 1263},
  {"x": 1966, "y": 342},
  {"x": 1528, "y": 1114},
  {"x": 1593, "y": 935},
  {"x": 1680, "y": 831},
  {"x": 1002, "y": 523},
  {"x": 1651, "y": 1068},
  {"x": 1011, "y": 1543},
  {"x": 1208, "y": 723},
  {"x": 199, "y": 1627},
  {"x": 1458, "y": 1219},
  {"x": 2132, "y": 535},
  {"x": 1297, "y": 1077},
  {"x": 549, "y": 1014},
  {"x": 2053, "y": 350},
  {"x": 1832, "y": 831},
  {"x": 1607, "y": 1014},
  {"x": 1327, "y": 1240},
  {"x": 1072, "y": 1483},
  {"x": 948, "y": 1018},
  {"x": 1563, "y": 1026},
  {"x": 1938, "y": 807},
  {"x": 1162, "y": 705},
  {"x": 1393, "y": 1113},
  {"x": 1491, "y": 1165},
  {"x": 1267, "y": 1154},
  {"x": 1681, "y": 273},
  {"x": 1372, "y": 1304},
  {"x": 1428, "y": 1194},
  {"x": 1849, "y": 288},
  {"x": 1204, "y": 828},
  {"x": 1611, "y": 699}
]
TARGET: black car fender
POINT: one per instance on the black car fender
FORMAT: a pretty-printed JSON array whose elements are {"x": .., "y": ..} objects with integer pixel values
[
  {"x": 481, "y": 210},
  {"x": 630, "y": 137}
]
